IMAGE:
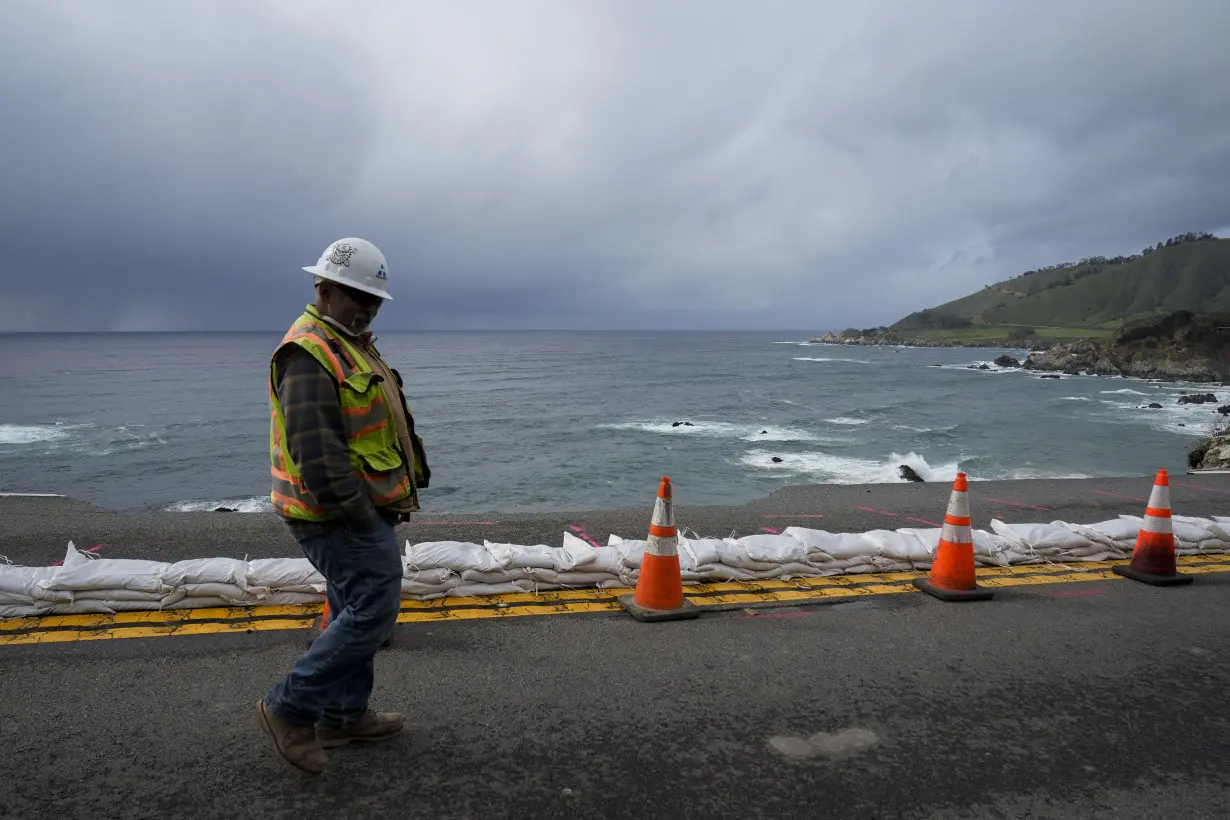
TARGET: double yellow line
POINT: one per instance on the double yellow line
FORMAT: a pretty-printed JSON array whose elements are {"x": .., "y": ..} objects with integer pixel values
[{"x": 733, "y": 595}]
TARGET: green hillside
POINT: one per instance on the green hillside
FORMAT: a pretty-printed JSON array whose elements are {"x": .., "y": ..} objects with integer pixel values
[{"x": 1189, "y": 272}]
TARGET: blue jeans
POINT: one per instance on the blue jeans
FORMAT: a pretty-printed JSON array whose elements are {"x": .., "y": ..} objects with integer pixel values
[{"x": 332, "y": 682}]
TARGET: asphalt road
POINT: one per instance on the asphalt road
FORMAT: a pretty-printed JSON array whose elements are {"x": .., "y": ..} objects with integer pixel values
[
  {"x": 34, "y": 531},
  {"x": 1082, "y": 701}
]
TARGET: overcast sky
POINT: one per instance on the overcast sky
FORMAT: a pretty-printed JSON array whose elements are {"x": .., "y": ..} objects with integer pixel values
[{"x": 710, "y": 164}]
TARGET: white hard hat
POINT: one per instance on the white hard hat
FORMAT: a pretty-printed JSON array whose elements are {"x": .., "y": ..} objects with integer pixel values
[{"x": 355, "y": 263}]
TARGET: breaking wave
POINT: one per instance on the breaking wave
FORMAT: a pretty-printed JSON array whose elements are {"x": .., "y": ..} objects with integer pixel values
[
  {"x": 717, "y": 429},
  {"x": 243, "y": 505},
  {"x": 32, "y": 433},
  {"x": 832, "y": 359},
  {"x": 848, "y": 470}
]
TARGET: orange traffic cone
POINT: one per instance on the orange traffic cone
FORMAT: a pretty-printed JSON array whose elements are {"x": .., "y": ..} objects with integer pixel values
[
  {"x": 325, "y": 615},
  {"x": 659, "y": 589},
  {"x": 952, "y": 571},
  {"x": 1153, "y": 560},
  {"x": 324, "y": 622}
]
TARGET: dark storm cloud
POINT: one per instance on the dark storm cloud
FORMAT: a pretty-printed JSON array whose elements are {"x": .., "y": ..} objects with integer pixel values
[{"x": 559, "y": 164}]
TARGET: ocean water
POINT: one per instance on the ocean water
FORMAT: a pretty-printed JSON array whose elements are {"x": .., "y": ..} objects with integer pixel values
[{"x": 535, "y": 421}]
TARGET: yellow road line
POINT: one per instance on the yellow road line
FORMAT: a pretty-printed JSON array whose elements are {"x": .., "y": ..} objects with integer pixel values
[
  {"x": 70, "y": 635},
  {"x": 68, "y": 628},
  {"x": 161, "y": 616}
]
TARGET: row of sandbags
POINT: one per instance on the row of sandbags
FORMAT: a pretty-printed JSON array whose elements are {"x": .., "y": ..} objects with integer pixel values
[{"x": 438, "y": 569}]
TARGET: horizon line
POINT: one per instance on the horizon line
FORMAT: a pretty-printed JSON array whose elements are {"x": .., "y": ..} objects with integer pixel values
[{"x": 420, "y": 330}]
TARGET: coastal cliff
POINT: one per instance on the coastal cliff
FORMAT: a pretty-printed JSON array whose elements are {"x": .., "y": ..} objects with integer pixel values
[{"x": 1178, "y": 347}]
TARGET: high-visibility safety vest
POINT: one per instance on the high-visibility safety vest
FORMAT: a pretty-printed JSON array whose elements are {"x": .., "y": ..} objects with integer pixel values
[{"x": 375, "y": 453}]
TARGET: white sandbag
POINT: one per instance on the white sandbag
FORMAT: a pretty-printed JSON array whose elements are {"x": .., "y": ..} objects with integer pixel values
[
  {"x": 791, "y": 569},
  {"x": 227, "y": 592},
  {"x": 534, "y": 586},
  {"x": 18, "y": 585},
  {"x": 469, "y": 590},
  {"x": 787, "y": 571},
  {"x": 80, "y": 573},
  {"x": 863, "y": 567},
  {"x": 607, "y": 560},
  {"x": 118, "y": 595},
  {"x": 989, "y": 549},
  {"x": 822, "y": 545},
  {"x": 725, "y": 572},
  {"x": 773, "y": 549},
  {"x": 1216, "y": 529},
  {"x": 296, "y": 574},
  {"x": 575, "y": 553},
  {"x": 699, "y": 552},
  {"x": 431, "y": 575},
  {"x": 504, "y": 576},
  {"x": 1124, "y": 528},
  {"x": 581, "y": 580},
  {"x": 1094, "y": 534},
  {"x": 199, "y": 603},
  {"x": 699, "y": 575},
  {"x": 1191, "y": 531},
  {"x": 124, "y": 606},
  {"x": 79, "y": 608},
  {"x": 230, "y": 571},
  {"x": 19, "y": 610},
  {"x": 457, "y": 556},
  {"x": 734, "y": 554},
  {"x": 414, "y": 588},
  {"x": 1039, "y": 536},
  {"x": 283, "y": 598},
  {"x": 632, "y": 552},
  {"x": 903, "y": 544},
  {"x": 1211, "y": 546},
  {"x": 579, "y": 546},
  {"x": 428, "y": 596}
]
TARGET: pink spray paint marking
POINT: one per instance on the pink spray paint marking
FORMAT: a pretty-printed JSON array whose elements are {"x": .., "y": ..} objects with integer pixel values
[
  {"x": 1117, "y": 495},
  {"x": 584, "y": 536},
  {"x": 1018, "y": 504},
  {"x": 1198, "y": 487},
  {"x": 898, "y": 515},
  {"x": 458, "y": 523},
  {"x": 778, "y": 615},
  {"x": 91, "y": 550},
  {"x": 1076, "y": 593},
  {"x": 771, "y": 530}
]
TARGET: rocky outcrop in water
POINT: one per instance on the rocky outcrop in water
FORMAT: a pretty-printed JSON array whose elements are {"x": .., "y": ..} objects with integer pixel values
[
  {"x": 1006, "y": 361},
  {"x": 1178, "y": 347},
  {"x": 907, "y": 472},
  {"x": 887, "y": 338}
]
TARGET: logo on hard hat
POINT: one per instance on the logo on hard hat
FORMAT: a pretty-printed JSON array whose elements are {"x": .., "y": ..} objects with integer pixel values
[
  {"x": 341, "y": 254},
  {"x": 381, "y": 274}
]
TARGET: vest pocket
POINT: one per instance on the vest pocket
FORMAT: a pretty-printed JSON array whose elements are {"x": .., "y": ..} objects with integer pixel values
[
  {"x": 361, "y": 382},
  {"x": 376, "y": 460}
]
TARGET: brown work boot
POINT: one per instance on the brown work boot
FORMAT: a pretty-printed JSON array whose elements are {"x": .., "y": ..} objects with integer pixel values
[
  {"x": 294, "y": 743},
  {"x": 372, "y": 727}
]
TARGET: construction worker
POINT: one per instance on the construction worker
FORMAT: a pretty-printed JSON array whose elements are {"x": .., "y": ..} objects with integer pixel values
[{"x": 346, "y": 466}]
